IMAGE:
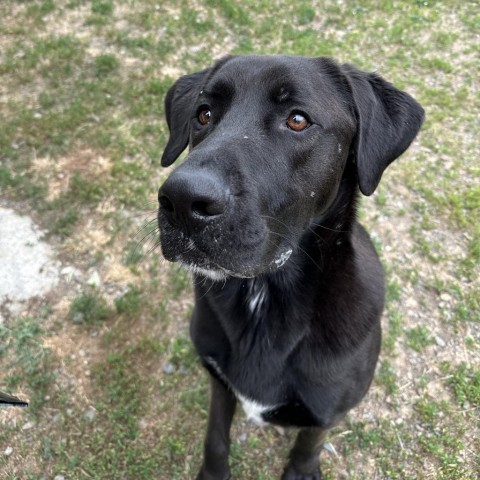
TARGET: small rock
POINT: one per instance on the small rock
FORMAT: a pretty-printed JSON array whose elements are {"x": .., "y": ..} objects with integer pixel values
[
  {"x": 445, "y": 297},
  {"x": 59, "y": 477},
  {"x": 78, "y": 317},
  {"x": 81, "y": 352},
  {"x": 440, "y": 341},
  {"x": 57, "y": 418},
  {"x": 8, "y": 451},
  {"x": 242, "y": 438},
  {"x": 28, "y": 426},
  {"x": 94, "y": 279},
  {"x": 411, "y": 302},
  {"x": 330, "y": 449},
  {"x": 90, "y": 414},
  {"x": 168, "y": 368},
  {"x": 71, "y": 273}
]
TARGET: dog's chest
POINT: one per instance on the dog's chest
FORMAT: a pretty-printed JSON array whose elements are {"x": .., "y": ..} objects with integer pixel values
[{"x": 254, "y": 410}]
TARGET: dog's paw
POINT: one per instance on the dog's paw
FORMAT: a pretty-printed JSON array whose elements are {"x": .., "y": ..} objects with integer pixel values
[
  {"x": 291, "y": 473},
  {"x": 203, "y": 475}
]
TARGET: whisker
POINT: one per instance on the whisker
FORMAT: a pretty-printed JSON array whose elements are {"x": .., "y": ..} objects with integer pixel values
[
  {"x": 147, "y": 236},
  {"x": 328, "y": 228},
  {"x": 312, "y": 224},
  {"x": 150, "y": 250},
  {"x": 209, "y": 288},
  {"x": 145, "y": 225},
  {"x": 145, "y": 212}
]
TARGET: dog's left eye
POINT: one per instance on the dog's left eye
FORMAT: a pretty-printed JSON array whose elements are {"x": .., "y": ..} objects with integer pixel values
[
  {"x": 297, "y": 122},
  {"x": 204, "y": 116}
]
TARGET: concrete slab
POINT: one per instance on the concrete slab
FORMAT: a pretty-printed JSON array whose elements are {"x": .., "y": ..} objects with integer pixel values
[{"x": 28, "y": 267}]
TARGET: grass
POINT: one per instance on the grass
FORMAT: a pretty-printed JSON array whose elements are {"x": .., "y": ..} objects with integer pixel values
[
  {"x": 82, "y": 89},
  {"x": 29, "y": 365},
  {"x": 91, "y": 309}
]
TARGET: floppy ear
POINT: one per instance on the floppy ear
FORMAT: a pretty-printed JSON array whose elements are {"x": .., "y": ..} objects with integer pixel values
[
  {"x": 178, "y": 110},
  {"x": 387, "y": 122}
]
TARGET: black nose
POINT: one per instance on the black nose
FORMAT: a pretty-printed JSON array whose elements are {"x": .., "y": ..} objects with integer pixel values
[{"x": 193, "y": 197}]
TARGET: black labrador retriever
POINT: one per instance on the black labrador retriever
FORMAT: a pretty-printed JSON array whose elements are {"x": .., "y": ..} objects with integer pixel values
[{"x": 289, "y": 289}]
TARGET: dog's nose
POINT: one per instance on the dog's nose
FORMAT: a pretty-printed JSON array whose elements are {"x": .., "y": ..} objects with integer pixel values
[{"x": 193, "y": 196}]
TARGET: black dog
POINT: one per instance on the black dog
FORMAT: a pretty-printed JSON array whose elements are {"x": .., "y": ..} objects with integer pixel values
[{"x": 262, "y": 211}]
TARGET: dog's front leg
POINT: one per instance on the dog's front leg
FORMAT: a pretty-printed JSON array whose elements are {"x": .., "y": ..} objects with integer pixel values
[
  {"x": 217, "y": 443},
  {"x": 304, "y": 462}
]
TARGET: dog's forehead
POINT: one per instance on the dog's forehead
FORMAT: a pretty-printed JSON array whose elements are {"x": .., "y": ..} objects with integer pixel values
[
  {"x": 271, "y": 73},
  {"x": 279, "y": 77}
]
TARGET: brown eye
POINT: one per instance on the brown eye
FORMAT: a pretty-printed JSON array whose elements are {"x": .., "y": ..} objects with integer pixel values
[
  {"x": 204, "y": 117},
  {"x": 297, "y": 122}
]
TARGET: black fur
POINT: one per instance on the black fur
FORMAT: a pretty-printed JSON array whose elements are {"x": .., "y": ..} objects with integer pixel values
[{"x": 291, "y": 318}]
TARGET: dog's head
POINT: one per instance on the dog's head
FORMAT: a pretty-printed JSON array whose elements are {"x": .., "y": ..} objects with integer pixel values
[{"x": 270, "y": 137}]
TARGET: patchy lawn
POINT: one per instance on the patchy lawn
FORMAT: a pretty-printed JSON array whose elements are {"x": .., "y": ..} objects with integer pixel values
[{"x": 115, "y": 388}]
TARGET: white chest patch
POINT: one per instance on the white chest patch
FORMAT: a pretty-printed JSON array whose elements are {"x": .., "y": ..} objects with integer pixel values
[
  {"x": 253, "y": 410},
  {"x": 257, "y": 296}
]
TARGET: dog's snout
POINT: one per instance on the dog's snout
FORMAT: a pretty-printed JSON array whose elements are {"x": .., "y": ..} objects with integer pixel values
[{"x": 193, "y": 197}]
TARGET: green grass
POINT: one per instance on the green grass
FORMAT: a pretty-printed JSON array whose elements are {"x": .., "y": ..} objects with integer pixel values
[
  {"x": 418, "y": 338},
  {"x": 86, "y": 81},
  {"x": 91, "y": 309},
  {"x": 28, "y": 364},
  {"x": 129, "y": 303},
  {"x": 465, "y": 383}
]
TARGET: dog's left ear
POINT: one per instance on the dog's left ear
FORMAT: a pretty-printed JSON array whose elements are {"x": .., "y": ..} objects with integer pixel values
[
  {"x": 387, "y": 122},
  {"x": 178, "y": 110}
]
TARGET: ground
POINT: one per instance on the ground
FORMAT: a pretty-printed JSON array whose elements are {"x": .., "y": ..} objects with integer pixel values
[{"x": 102, "y": 352}]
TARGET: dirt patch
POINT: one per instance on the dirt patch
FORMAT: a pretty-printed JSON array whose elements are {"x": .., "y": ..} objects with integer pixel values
[{"x": 91, "y": 164}]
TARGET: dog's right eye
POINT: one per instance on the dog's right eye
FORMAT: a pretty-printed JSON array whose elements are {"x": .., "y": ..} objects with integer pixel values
[
  {"x": 297, "y": 122},
  {"x": 204, "y": 116}
]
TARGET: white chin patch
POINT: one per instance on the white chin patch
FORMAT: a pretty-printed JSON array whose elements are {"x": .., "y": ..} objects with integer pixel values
[
  {"x": 216, "y": 275},
  {"x": 282, "y": 259}
]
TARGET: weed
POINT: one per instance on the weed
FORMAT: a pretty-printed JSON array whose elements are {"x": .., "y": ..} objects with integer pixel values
[
  {"x": 465, "y": 382},
  {"x": 105, "y": 64},
  {"x": 394, "y": 330},
  {"x": 387, "y": 377},
  {"x": 129, "y": 303},
  {"x": 102, "y": 7},
  {"x": 418, "y": 338},
  {"x": 64, "y": 225},
  {"x": 182, "y": 353},
  {"x": 90, "y": 309}
]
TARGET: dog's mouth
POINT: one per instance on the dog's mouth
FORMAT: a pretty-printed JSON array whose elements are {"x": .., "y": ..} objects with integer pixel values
[
  {"x": 219, "y": 259},
  {"x": 218, "y": 273}
]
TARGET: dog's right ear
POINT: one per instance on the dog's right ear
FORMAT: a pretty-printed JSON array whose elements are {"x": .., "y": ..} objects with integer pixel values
[{"x": 178, "y": 110}]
